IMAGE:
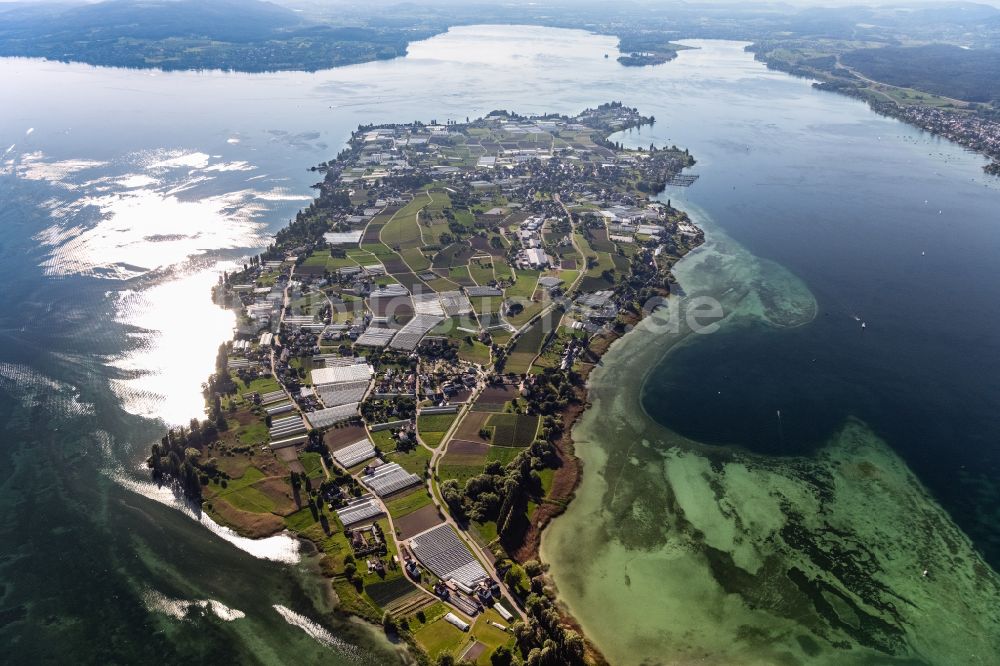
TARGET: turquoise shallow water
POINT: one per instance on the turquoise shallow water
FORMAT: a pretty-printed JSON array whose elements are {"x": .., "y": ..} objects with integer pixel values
[
  {"x": 675, "y": 551},
  {"x": 125, "y": 192}
]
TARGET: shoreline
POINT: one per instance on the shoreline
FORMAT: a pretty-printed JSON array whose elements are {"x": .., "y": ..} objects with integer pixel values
[
  {"x": 936, "y": 121},
  {"x": 686, "y": 545},
  {"x": 534, "y": 549}
]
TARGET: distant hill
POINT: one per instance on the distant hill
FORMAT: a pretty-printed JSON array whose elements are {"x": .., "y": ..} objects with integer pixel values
[
  {"x": 967, "y": 74},
  {"x": 224, "y": 20},
  {"x": 246, "y": 35}
]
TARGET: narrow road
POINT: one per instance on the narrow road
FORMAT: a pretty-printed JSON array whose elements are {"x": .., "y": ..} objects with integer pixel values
[
  {"x": 576, "y": 246},
  {"x": 432, "y": 485}
]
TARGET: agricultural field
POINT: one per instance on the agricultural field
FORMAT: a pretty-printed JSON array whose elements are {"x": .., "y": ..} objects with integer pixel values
[
  {"x": 502, "y": 269},
  {"x": 473, "y": 351},
  {"x": 312, "y": 463},
  {"x": 438, "y": 637},
  {"x": 463, "y": 460},
  {"x": 408, "y": 502},
  {"x": 415, "y": 259},
  {"x": 441, "y": 284},
  {"x": 403, "y": 229},
  {"x": 481, "y": 270},
  {"x": 415, "y": 460},
  {"x": 454, "y": 255},
  {"x": 502, "y": 454},
  {"x": 513, "y": 430},
  {"x": 460, "y": 275},
  {"x": 524, "y": 287},
  {"x": 526, "y": 347},
  {"x": 432, "y": 428},
  {"x": 493, "y": 399}
]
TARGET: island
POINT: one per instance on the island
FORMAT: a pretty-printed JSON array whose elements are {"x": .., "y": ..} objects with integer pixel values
[
  {"x": 642, "y": 49},
  {"x": 410, "y": 356}
]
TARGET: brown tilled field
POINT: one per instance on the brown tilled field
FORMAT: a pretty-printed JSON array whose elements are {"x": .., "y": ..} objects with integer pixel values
[
  {"x": 483, "y": 244},
  {"x": 394, "y": 305},
  {"x": 338, "y": 438},
  {"x": 493, "y": 398},
  {"x": 414, "y": 523},
  {"x": 470, "y": 426},
  {"x": 463, "y": 452}
]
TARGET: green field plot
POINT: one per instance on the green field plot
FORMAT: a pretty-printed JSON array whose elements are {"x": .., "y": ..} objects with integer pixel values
[
  {"x": 434, "y": 230},
  {"x": 513, "y": 430},
  {"x": 403, "y": 229},
  {"x": 489, "y": 635},
  {"x": 481, "y": 271},
  {"x": 568, "y": 277},
  {"x": 435, "y": 422},
  {"x": 502, "y": 454},
  {"x": 442, "y": 284},
  {"x": 526, "y": 347},
  {"x": 525, "y": 285},
  {"x": 465, "y": 217},
  {"x": 604, "y": 263},
  {"x": 473, "y": 351},
  {"x": 439, "y": 199},
  {"x": 254, "y": 492},
  {"x": 584, "y": 245},
  {"x": 313, "y": 464},
  {"x": 315, "y": 263},
  {"x": 260, "y": 385},
  {"x": 383, "y": 440},
  {"x": 432, "y": 428},
  {"x": 529, "y": 310},
  {"x": 431, "y": 613},
  {"x": 300, "y": 521},
  {"x": 456, "y": 254},
  {"x": 385, "y": 592},
  {"x": 460, "y": 275},
  {"x": 459, "y": 472},
  {"x": 251, "y": 431},
  {"x": 501, "y": 336},
  {"x": 440, "y": 637},
  {"x": 415, "y": 259},
  {"x": 335, "y": 263},
  {"x": 379, "y": 250},
  {"x": 414, "y": 460},
  {"x": 502, "y": 269},
  {"x": 362, "y": 257},
  {"x": 408, "y": 503}
]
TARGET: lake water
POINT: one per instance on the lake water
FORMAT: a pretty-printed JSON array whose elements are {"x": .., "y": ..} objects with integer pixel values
[{"x": 126, "y": 192}]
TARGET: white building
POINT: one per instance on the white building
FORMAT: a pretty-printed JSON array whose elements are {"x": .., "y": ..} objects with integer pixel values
[{"x": 536, "y": 257}]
